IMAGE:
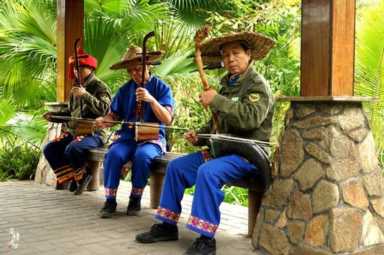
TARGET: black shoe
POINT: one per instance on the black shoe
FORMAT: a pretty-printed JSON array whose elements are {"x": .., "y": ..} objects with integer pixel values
[
  {"x": 72, "y": 186},
  {"x": 134, "y": 206},
  {"x": 83, "y": 184},
  {"x": 108, "y": 210},
  {"x": 202, "y": 246},
  {"x": 159, "y": 233}
]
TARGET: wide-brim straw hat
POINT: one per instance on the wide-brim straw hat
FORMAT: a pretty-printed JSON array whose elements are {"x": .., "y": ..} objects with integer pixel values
[
  {"x": 133, "y": 56},
  {"x": 259, "y": 45}
]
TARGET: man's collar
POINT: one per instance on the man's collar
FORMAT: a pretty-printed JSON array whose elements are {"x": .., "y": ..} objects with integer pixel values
[
  {"x": 148, "y": 81},
  {"x": 233, "y": 80},
  {"x": 89, "y": 78}
]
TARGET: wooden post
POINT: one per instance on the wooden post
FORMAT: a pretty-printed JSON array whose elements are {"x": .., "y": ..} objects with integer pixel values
[
  {"x": 156, "y": 187},
  {"x": 70, "y": 20},
  {"x": 254, "y": 202},
  {"x": 327, "y": 47}
]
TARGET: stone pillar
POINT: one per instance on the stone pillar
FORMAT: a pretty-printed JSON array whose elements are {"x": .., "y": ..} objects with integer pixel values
[
  {"x": 327, "y": 195},
  {"x": 44, "y": 173}
]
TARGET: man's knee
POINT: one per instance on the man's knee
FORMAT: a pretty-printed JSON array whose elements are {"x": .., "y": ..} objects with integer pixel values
[
  {"x": 142, "y": 156},
  {"x": 49, "y": 150},
  {"x": 73, "y": 148},
  {"x": 114, "y": 155},
  {"x": 176, "y": 167},
  {"x": 46, "y": 150},
  {"x": 206, "y": 173}
]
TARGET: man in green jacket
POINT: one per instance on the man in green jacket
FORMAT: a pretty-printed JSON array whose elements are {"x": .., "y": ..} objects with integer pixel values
[
  {"x": 90, "y": 98},
  {"x": 243, "y": 108}
]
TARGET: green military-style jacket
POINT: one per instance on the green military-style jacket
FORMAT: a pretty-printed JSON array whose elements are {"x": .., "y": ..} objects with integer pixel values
[
  {"x": 95, "y": 103},
  {"x": 244, "y": 109}
]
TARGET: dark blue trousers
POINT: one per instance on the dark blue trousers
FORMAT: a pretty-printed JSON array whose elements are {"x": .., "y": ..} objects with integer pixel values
[
  {"x": 209, "y": 177},
  {"x": 68, "y": 155},
  {"x": 120, "y": 153}
]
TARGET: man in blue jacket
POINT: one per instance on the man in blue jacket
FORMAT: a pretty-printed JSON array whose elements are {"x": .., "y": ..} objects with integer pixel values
[{"x": 157, "y": 107}]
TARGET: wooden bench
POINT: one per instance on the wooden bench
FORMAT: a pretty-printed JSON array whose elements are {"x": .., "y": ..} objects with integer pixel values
[{"x": 158, "y": 169}]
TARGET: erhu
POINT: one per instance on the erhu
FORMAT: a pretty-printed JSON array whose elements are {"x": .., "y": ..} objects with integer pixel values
[
  {"x": 144, "y": 132},
  {"x": 82, "y": 127}
]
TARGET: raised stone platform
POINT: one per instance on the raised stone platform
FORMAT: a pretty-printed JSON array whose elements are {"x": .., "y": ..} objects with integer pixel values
[{"x": 327, "y": 193}]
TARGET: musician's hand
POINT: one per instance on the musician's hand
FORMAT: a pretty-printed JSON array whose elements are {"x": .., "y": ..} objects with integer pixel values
[
  {"x": 79, "y": 138},
  {"x": 206, "y": 97},
  {"x": 60, "y": 137},
  {"x": 191, "y": 137},
  {"x": 99, "y": 122},
  {"x": 143, "y": 95},
  {"x": 48, "y": 116},
  {"x": 78, "y": 91}
]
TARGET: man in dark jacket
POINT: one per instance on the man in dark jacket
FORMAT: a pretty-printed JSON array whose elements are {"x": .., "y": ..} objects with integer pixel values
[
  {"x": 243, "y": 108},
  {"x": 89, "y": 99}
]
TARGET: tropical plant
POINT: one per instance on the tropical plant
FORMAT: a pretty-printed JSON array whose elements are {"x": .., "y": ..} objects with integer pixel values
[
  {"x": 370, "y": 67},
  {"x": 17, "y": 158},
  {"x": 111, "y": 26},
  {"x": 27, "y": 52},
  {"x": 7, "y": 110}
]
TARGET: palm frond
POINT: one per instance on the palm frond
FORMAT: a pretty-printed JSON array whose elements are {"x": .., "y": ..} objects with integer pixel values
[
  {"x": 173, "y": 35},
  {"x": 176, "y": 64},
  {"x": 190, "y": 5},
  {"x": 103, "y": 42},
  {"x": 28, "y": 127},
  {"x": 128, "y": 17},
  {"x": 370, "y": 66},
  {"x": 7, "y": 110},
  {"x": 27, "y": 51},
  {"x": 113, "y": 7}
]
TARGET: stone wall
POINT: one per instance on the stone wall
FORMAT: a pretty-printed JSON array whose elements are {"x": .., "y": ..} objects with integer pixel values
[
  {"x": 44, "y": 173},
  {"x": 327, "y": 192}
]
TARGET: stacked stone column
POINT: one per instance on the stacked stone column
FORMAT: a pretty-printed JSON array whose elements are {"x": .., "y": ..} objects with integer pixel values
[{"x": 327, "y": 192}]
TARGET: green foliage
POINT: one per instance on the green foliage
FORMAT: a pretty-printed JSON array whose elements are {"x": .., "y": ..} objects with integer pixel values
[
  {"x": 194, "y": 12},
  {"x": 236, "y": 195},
  {"x": 176, "y": 65},
  {"x": 370, "y": 67},
  {"x": 31, "y": 128},
  {"x": 130, "y": 19},
  {"x": 173, "y": 36},
  {"x": 17, "y": 159},
  {"x": 233, "y": 195},
  {"x": 188, "y": 113},
  {"x": 7, "y": 110},
  {"x": 102, "y": 41},
  {"x": 114, "y": 25},
  {"x": 27, "y": 52}
]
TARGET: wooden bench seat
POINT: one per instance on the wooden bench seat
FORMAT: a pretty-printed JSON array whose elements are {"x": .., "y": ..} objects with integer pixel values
[{"x": 158, "y": 170}]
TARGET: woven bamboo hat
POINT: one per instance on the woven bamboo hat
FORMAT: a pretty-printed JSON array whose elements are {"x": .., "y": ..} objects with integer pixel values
[
  {"x": 258, "y": 44},
  {"x": 133, "y": 56}
]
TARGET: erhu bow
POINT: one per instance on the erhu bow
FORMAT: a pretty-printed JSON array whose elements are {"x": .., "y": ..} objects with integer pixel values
[{"x": 130, "y": 124}]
